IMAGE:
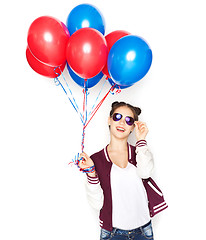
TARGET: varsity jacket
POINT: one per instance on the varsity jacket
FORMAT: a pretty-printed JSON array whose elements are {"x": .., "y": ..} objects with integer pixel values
[{"x": 99, "y": 188}]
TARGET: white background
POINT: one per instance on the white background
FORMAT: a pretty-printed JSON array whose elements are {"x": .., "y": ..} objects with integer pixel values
[{"x": 41, "y": 197}]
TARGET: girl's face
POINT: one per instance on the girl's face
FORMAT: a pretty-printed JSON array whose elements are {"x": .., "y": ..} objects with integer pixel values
[{"x": 121, "y": 127}]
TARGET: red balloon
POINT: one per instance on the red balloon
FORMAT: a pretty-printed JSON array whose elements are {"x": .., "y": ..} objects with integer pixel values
[
  {"x": 87, "y": 52},
  {"x": 47, "y": 38},
  {"x": 111, "y": 38},
  {"x": 42, "y": 68}
]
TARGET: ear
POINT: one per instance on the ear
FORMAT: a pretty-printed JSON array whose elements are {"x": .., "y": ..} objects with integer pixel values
[{"x": 109, "y": 121}]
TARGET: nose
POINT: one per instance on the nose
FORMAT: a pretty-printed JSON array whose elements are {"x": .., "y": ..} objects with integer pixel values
[{"x": 122, "y": 121}]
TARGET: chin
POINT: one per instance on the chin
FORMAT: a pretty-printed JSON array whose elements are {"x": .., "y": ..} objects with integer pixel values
[{"x": 121, "y": 135}]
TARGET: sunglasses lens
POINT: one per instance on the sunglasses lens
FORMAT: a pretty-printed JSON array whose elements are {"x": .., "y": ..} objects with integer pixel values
[
  {"x": 129, "y": 121},
  {"x": 117, "y": 116}
]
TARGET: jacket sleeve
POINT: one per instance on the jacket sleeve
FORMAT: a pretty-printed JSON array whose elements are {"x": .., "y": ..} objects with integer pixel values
[
  {"x": 144, "y": 158},
  {"x": 94, "y": 192}
]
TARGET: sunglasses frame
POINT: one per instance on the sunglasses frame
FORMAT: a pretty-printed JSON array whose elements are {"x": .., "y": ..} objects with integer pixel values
[{"x": 126, "y": 119}]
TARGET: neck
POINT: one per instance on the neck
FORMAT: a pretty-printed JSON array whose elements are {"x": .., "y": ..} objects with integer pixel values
[{"x": 118, "y": 144}]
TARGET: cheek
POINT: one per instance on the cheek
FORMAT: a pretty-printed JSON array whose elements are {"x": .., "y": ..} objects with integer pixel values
[{"x": 109, "y": 121}]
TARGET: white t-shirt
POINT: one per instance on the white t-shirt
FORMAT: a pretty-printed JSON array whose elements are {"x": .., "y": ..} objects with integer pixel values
[{"x": 129, "y": 198}]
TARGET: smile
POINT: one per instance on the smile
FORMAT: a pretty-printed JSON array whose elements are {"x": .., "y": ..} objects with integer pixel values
[{"x": 120, "y": 129}]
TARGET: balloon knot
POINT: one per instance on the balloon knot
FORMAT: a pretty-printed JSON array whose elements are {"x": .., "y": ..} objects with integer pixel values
[{"x": 118, "y": 91}]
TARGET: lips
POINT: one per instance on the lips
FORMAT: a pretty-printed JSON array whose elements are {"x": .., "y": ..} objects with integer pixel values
[{"x": 120, "y": 129}]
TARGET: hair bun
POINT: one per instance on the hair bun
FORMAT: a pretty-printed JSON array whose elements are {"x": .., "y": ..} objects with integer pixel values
[
  {"x": 138, "y": 110},
  {"x": 115, "y": 103}
]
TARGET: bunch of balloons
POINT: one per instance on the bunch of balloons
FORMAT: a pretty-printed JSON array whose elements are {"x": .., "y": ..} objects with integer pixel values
[{"x": 81, "y": 46}]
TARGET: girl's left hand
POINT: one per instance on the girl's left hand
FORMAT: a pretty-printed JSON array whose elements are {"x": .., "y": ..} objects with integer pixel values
[{"x": 141, "y": 130}]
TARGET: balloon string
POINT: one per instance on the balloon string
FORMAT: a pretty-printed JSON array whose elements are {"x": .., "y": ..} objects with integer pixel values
[
  {"x": 97, "y": 97},
  {"x": 99, "y": 105},
  {"x": 85, "y": 91},
  {"x": 86, "y": 121},
  {"x": 71, "y": 93},
  {"x": 58, "y": 83},
  {"x": 84, "y": 116},
  {"x": 77, "y": 160}
]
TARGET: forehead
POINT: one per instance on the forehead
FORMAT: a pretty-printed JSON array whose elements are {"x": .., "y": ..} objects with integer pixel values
[{"x": 125, "y": 111}]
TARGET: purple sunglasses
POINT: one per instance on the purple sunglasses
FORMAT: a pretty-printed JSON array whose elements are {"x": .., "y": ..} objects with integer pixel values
[{"x": 129, "y": 120}]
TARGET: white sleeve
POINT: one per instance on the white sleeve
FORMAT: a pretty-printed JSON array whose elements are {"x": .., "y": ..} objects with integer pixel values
[
  {"x": 144, "y": 158},
  {"x": 94, "y": 192}
]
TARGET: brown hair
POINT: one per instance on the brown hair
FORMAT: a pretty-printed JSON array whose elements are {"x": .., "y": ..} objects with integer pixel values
[{"x": 136, "y": 111}]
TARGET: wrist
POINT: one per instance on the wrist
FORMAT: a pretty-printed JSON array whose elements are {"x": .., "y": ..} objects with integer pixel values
[
  {"x": 141, "y": 143},
  {"x": 92, "y": 174},
  {"x": 140, "y": 138}
]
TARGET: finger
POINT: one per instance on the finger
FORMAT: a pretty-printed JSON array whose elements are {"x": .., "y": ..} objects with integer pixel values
[
  {"x": 137, "y": 123},
  {"x": 82, "y": 162},
  {"x": 142, "y": 124},
  {"x": 84, "y": 155}
]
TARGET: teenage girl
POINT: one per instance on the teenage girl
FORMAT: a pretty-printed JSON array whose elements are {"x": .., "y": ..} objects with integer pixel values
[{"x": 115, "y": 186}]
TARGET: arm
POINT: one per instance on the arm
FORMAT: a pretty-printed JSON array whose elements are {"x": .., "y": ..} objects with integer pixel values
[
  {"x": 145, "y": 163},
  {"x": 93, "y": 189},
  {"x": 144, "y": 158},
  {"x": 94, "y": 192}
]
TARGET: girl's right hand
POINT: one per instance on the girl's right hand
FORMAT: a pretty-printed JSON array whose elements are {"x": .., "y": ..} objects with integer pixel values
[{"x": 86, "y": 162}]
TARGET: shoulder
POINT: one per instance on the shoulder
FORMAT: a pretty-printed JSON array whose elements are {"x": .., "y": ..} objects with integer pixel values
[
  {"x": 97, "y": 154},
  {"x": 101, "y": 159},
  {"x": 102, "y": 165}
]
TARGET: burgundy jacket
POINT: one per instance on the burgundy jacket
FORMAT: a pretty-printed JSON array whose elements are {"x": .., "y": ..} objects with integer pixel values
[{"x": 103, "y": 168}]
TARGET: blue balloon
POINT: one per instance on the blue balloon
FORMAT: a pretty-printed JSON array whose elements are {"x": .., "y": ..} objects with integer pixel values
[
  {"x": 80, "y": 81},
  {"x": 129, "y": 60},
  {"x": 85, "y": 15}
]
